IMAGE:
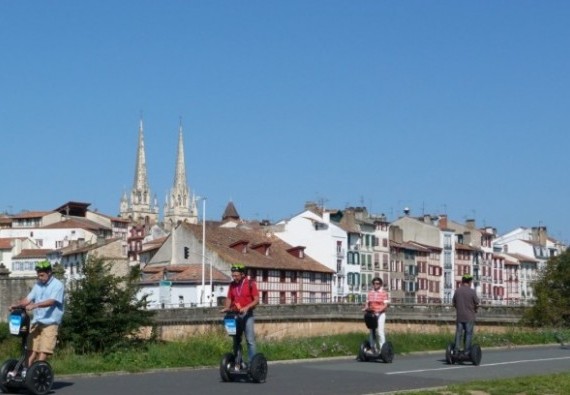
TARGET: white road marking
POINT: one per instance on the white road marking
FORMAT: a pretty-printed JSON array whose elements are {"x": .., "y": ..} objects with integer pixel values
[{"x": 482, "y": 365}]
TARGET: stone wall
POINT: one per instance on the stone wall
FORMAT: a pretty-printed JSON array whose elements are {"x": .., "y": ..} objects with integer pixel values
[
  {"x": 318, "y": 319},
  {"x": 12, "y": 290}
]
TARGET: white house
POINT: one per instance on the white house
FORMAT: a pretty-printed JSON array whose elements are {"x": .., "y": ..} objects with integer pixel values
[{"x": 324, "y": 241}]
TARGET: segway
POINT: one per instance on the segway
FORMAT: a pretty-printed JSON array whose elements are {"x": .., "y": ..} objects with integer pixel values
[
  {"x": 454, "y": 355},
  {"x": 368, "y": 350},
  {"x": 38, "y": 379},
  {"x": 232, "y": 366}
]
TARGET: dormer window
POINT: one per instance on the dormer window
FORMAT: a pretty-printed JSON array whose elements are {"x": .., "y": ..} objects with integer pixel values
[
  {"x": 297, "y": 252},
  {"x": 240, "y": 245},
  {"x": 262, "y": 248}
]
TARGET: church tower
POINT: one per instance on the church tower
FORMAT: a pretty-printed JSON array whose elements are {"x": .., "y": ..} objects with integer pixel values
[
  {"x": 138, "y": 207},
  {"x": 180, "y": 205}
]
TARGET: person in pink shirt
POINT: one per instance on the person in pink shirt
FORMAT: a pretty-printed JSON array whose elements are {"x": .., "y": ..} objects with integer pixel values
[{"x": 377, "y": 303}]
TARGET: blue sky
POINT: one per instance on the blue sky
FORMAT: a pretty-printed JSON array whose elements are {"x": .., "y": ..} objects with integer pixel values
[{"x": 455, "y": 107}]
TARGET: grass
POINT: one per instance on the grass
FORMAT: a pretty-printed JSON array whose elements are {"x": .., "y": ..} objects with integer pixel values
[
  {"x": 552, "y": 384},
  {"x": 206, "y": 350}
]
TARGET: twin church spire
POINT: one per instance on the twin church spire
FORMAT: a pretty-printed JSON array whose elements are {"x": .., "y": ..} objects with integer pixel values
[{"x": 180, "y": 205}]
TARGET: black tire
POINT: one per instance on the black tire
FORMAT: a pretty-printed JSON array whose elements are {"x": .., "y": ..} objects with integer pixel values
[
  {"x": 364, "y": 348},
  {"x": 39, "y": 378},
  {"x": 258, "y": 368},
  {"x": 6, "y": 367},
  {"x": 449, "y": 351},
  {"x": 387, "y": 352},
  {"x": 476, "y": 354},
  {"x": 227, "y": 364}
]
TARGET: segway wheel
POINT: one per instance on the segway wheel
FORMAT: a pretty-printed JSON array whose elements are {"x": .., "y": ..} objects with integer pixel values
[
  {"x": 226, "y": 364},
  {"x": 476, "y": 354},
  {"x": 364, "y": 348},
  {"x": 387, "y": 352},
  {"x": 5, "y": 385},
  {"x": 449, "y": 354},
  {"x": 39, "y": 378},
  {"x": 258, "y": 368}
]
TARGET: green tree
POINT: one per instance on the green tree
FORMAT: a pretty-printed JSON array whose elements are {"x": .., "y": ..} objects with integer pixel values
[
  {"x": 103, "y": 311},
  {"x": 552, "y": 293},
  {"x": 58, "y": 271}
]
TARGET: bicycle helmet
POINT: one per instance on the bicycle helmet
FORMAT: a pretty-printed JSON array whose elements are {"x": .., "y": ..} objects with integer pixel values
[
  {"x": 466, "y": 278},
  {"x": 43, "y": 266},
  {"x": 238, "y": 267}
]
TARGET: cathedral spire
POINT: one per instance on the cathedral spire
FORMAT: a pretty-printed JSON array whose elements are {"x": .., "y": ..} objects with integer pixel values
[
  {"x": 140, "y": 209},
  {"x": 180, "y": 205},
  {"x": 180, "y": 172},
  {"x": 140, "y": 183}
]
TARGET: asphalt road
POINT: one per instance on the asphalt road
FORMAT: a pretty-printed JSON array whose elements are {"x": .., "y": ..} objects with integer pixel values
[{"x": 328, "y": 377}]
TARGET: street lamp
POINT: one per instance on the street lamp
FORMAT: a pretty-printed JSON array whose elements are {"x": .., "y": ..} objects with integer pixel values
[{"x": 204, "y": 250}]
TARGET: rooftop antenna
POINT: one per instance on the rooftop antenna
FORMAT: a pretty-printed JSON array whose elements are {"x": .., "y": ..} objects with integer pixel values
[{"x": 321, "y": 200}]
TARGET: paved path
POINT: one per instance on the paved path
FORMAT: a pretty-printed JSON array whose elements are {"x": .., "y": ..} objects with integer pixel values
[{"x": 328, "y": 377}]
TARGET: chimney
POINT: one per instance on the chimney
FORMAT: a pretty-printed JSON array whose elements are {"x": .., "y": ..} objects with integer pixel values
[
  {"x": 539, "y": 235},
  {"x": 406, "y": 211},
  {"x": 312, "y": 206},
  {"x": 443, "y": 221},
  {"x": 470, "y": 223}
]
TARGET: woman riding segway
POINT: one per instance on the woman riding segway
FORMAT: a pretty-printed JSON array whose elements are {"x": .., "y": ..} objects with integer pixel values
[{"x": 375, "y": 317}]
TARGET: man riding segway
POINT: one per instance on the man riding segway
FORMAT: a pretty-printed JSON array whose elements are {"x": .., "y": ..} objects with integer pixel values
[
  {"x": 242, "y": 298},
  {"x": 466, "y": 303}
]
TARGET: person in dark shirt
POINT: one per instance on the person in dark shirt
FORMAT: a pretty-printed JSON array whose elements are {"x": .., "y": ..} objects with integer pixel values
[{"x": 466, "y": 302}]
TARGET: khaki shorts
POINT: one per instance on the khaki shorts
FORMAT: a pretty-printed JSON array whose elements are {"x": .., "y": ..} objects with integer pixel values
[{"x": 42, "y": 338}]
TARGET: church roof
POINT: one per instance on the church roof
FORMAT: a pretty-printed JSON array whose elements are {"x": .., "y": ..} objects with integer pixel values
[{"x": 230, "y": 212}]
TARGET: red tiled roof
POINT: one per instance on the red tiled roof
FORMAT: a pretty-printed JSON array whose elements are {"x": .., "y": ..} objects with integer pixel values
[
  {"x": 154, "y": 244},
  {"x": 76, "y": 222},
  {"x": 219, "y": 239},
  {"x": 32, "y": 214},
  {"x": 182, "y": 273},
  {"x": 72, "y": 249},
  {"x": 459, "y": 246},
  {"x": 32, "y": 253}
]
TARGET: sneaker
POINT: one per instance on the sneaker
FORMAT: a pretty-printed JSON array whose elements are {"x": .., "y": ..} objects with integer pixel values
[{"x": 12, "y": 374}]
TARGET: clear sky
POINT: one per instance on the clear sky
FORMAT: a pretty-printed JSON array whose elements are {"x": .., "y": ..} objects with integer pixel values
[{"x": 456, "y": 107}]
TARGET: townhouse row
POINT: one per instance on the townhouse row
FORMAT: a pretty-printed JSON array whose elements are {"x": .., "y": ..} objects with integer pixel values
[{"x": 315, "y": 256}]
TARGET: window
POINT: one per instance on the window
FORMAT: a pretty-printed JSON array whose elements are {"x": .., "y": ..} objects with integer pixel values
[
  {"x": 282, "y": 276},
  {"x": 293, "y": 277},
  {"x": 312, "y": 297},
  {"x": 294, "y": 297}
]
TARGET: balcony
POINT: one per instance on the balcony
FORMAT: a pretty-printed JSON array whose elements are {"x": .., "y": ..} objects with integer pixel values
[{"x": 409, "y": 277}]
